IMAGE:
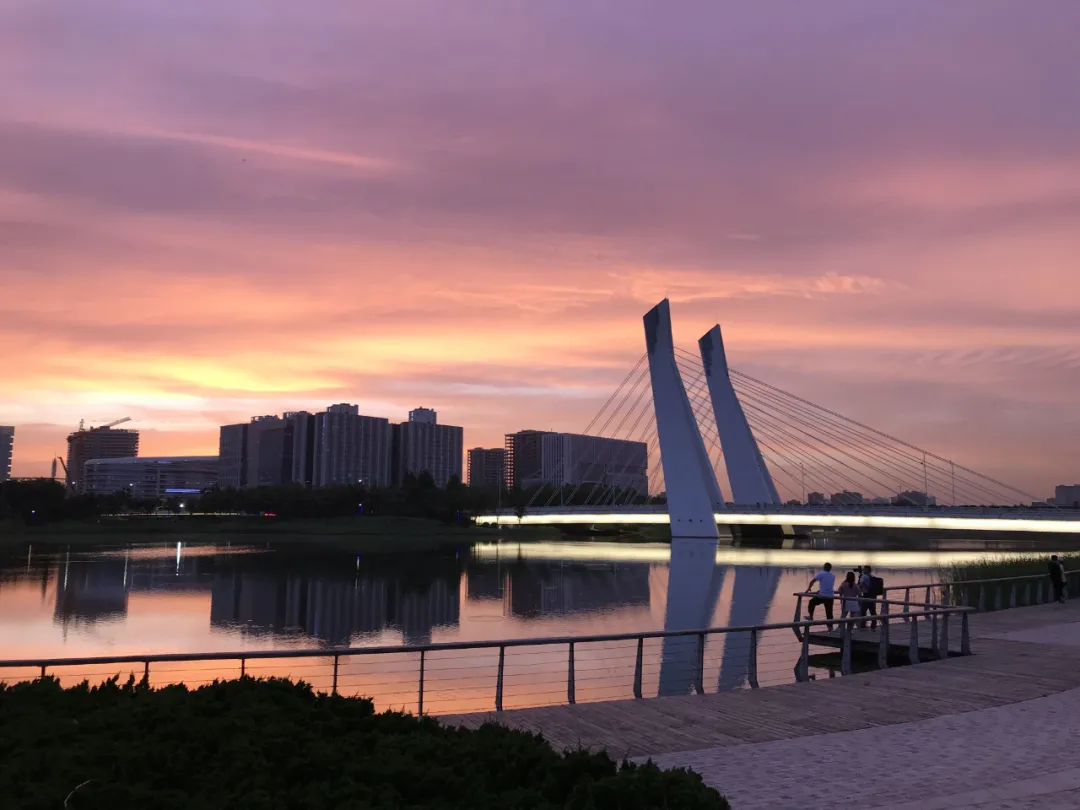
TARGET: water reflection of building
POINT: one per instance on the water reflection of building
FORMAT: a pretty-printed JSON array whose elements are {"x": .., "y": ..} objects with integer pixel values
[
  {"x": 546, "y": 589},
  {"x": 98, "y": 589},
  {"x": 330, "y": 608},
  {"x": 92, "y": 592}
]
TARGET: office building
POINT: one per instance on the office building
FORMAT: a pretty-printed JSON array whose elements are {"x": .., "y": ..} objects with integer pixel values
[
  {"x": 97, "y": 443},
  {"x": 815, "y": 499},
  {"x": 1064, "y": 495},
  {"x": 575, "y": 459},
  {"x": 523, "y": 458},
  {"x": 7, "y": 448},
  {"x": 149, "y": 478},
  {"x": 351, "y": 448},
  {"x": 487, "y": 467},
  {"x": 422, "y": 445}
]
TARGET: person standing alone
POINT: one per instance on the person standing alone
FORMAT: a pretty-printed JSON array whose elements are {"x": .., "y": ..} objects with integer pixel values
[
  {"x": 1057, "y": 578},
  {"x": 826, "y": 582}
]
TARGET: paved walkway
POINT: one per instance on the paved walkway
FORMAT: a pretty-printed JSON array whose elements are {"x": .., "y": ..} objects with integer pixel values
[{"x": 994, "y": 731}]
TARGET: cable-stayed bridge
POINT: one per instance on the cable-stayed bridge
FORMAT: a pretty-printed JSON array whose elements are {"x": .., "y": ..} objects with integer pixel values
[{"x": 708, "y": 429}]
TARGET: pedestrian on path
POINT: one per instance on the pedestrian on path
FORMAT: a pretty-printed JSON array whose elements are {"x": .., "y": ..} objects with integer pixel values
[
  {"x": 1057, "y": 578},
  {"x": 826, "y": 582},
  {"x": 871, "y": 588},
  {"x": 849, "y": 596}
]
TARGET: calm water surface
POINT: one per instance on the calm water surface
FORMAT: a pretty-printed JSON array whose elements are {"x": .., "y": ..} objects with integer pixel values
[{"x": 160, "y": 597}]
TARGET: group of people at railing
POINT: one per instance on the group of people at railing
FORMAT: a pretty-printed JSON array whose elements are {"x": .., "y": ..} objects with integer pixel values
[{"x": 858, "y": 592}]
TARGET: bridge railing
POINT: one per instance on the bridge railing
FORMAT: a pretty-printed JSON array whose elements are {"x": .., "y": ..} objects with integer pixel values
[
  {"x": 987, "y": 594},
  {"x": 455, "y": 677}
]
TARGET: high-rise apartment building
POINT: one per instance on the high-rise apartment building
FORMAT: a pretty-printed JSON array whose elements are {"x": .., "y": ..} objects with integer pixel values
[
  {"x": 423, "y": 445},
  {"x": 487, "y": 467},
  {"x": 97, "y": 443},
  {"x": 298, "y": 463},
  {"x": 424, "y": 416},
  {"x": 7, "y": 448},
  {"x": 577, "y": 459},
  {"x": 351, "y": 448},
  {"x": 232, "y": 456},
  {"x": 265, "y": 451},
  {"x": 1064, "y": 495},
  {"x": 523, "y": 458}
]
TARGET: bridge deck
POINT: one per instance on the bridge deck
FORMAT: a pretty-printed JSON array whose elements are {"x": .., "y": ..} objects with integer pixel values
[{"x": 1016, "y": 658}]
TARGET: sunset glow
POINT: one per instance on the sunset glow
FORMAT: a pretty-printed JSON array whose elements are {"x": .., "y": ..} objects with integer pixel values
[{"x": 215, "y": 210}]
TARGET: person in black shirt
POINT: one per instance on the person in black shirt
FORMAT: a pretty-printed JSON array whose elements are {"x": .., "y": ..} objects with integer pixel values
[{"x": 1057, "y": 578}]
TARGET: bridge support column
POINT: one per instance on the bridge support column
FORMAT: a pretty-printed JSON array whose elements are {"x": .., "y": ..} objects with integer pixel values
[
  {"x": 692, "y": 492},
  {"x": 750, "y": 480}
]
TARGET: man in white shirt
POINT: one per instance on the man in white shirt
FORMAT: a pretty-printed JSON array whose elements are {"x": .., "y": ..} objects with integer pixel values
[{"x": 826, "y": 582}]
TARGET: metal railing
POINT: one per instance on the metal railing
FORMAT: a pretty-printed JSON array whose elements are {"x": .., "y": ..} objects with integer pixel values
[
  {"x": 988, "y": 594},
  {"x": 513, "y": 673},
  {"x": 936, "y": 614}
]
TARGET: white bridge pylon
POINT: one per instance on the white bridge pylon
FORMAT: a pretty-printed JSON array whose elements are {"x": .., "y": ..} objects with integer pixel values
[{"x": 693, "y": 493}]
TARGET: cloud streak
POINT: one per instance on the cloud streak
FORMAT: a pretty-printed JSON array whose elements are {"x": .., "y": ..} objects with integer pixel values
[{"x": 213, "y": 210}]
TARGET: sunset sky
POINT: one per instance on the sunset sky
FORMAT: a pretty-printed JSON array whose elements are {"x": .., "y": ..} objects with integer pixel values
[{"x": 210, "y": 210}]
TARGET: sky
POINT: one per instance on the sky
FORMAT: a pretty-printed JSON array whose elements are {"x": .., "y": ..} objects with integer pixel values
[{"x": 211, "y": 210}]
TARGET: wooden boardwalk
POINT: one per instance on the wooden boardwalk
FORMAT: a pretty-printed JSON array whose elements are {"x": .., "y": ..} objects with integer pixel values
[{"x": 1001, "y": 671}]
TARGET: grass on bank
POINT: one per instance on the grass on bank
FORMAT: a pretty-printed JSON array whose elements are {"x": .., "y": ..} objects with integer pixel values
[
  {"x": 372, "y": 534},
  {"x": 1017, "y": 565},
  {"x": 264, "y": 744}
]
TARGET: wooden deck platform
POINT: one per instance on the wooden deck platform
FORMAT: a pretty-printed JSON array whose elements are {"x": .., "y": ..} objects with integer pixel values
[{"x": 1000, "y": 671}]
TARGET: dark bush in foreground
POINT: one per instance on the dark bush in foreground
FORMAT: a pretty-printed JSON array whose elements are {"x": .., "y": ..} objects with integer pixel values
[{"x": 276, "y": 744}]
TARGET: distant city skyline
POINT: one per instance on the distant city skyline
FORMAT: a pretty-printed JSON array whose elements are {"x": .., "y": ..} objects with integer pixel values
[{"x": 395, "y": 203}]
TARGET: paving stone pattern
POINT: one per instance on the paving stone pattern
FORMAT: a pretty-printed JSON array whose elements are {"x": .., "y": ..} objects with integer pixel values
[{"x": 958, "y": 760}]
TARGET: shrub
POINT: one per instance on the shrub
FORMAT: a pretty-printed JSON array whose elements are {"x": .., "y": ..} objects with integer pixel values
[{"x": 273, "y": 743}]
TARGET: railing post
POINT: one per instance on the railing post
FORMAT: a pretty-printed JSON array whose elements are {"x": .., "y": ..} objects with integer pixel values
[
  {"x": 965, "y": 594},
  {"x": 42, "y": 670},
  {"x": 798, "y": 618},
  {"x": 907, "y": 601},
  {"x": 1012, "y": 595},
  {"x": 1039, "y": 594},
  {"x": 333, "y": 691},
  {"x": 845, "y": 649},
  {"x": 944, "y": 635},
  {"x": 802, "y": 668},
  {"x": 965, "y": 636},
  {"x": 913, "y": 645},
  {"x": 637, "y": 667},
  {"x": 146, "y": 671},
  {"x": 571, "y": 685},
  {"x": 1027, "y": 594},
  {"x": 752, "y": 669},
  {"x": 982, "y": 598},
  {"x": 926, "y": 601},
  {"x": 946, "y": 595},
  {"x": 420, "y": 697},
  {"x": 701, "y": 664},
  {"x": 499, "y": 681},
  {"x": 243, "y": 667},
  {"x": 934, "y": 634},
  {"x": 997, "y": 596},
  {"x": 883, "y": 640}
]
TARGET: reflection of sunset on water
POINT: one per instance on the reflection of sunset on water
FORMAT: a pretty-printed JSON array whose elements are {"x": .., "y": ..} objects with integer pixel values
[{"x": 240, "y": 599}]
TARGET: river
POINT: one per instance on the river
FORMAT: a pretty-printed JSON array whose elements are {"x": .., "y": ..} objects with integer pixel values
[{"x": 157, "y": 597}]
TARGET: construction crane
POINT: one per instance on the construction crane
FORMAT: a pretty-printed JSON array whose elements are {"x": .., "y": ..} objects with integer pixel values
[{"x": 67, "y": 476}]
